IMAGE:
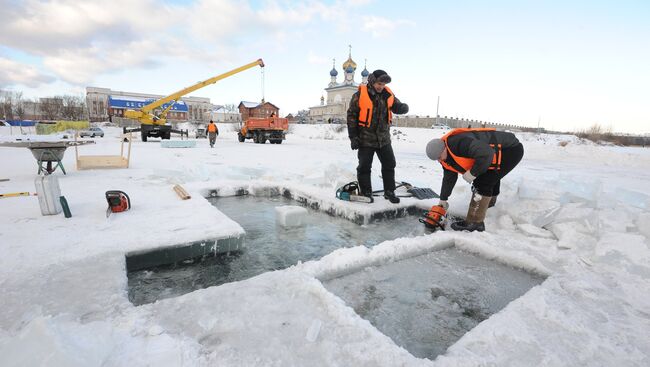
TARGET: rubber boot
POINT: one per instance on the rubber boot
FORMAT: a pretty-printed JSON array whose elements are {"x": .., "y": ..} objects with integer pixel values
[{"x": 475, "y": 215}]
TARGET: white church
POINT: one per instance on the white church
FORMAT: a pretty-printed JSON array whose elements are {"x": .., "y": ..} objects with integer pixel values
[{"x": 338, "y": 94}]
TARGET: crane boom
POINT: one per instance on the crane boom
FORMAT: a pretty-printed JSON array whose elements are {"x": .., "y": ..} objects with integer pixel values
[{"x": 175, "y": 96}]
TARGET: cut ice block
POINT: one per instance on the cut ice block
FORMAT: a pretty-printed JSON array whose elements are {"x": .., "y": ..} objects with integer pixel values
[
  {"x": 290, "y": 215},
  {"x": 178, "y": 143},
  {"x": 48, "y": 191},
  {"x": 314, "y": 329}
]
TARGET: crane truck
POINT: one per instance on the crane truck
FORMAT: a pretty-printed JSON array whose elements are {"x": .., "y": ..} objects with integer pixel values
[{"x": 156, "y": 125}]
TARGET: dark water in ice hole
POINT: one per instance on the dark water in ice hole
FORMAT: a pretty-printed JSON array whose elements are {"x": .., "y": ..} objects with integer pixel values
[
  {"x": 423, "y": 304},
  {"x": 426, "y": 303},
  {"x": 267, "y": 247}
]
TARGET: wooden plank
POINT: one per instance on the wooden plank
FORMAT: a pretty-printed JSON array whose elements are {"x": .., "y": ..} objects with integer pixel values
[
  {"x": 128, "y": 156},
  {"x": 101, "y": 161},
  {"x": 181, "y": 192}
]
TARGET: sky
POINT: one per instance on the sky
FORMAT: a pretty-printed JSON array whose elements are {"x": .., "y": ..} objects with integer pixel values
[{"x": 562, "y": 65}]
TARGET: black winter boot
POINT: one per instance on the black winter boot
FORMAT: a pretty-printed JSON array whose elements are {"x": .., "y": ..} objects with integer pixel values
[
  {"x": 462, "y": 225},
  {"x": 390, "y": 196}
]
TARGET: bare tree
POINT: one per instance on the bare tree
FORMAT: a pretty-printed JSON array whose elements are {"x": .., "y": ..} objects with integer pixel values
[
  {"x": 7, "y": 103},
  {"x": 73, "y": 107},
  {"x": 3, "y": 115},
  {"x": 51, "y": 107},
  {"x": 231, "y": 108},
  {"x": 302, "y": 116},
  {"x": 19, "y": 107}
]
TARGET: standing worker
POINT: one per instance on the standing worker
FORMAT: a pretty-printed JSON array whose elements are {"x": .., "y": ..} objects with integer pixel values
[
  {"x": 213, "y": 132},
  {"x": 369, "y": 118},
  {"x": 483, "y": 157}
]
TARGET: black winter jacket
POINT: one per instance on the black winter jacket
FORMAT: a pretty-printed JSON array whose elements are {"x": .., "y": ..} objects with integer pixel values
[
  {"x": 378, "y": 134},
  {"x": 474, "y": 145}
]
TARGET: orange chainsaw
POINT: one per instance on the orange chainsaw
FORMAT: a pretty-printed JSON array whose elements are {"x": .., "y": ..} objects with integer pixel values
[
  {"x": 435, "y": 218},
  {"x": 118, "y": 201}
]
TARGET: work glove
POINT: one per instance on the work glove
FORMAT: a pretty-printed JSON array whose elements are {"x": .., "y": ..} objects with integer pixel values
[
  {"x": 354, "y": 143},
  {"x": 402, "y": 109},
  {"x": 467, "y": 176},
  {"x": 444, "y": 204}
]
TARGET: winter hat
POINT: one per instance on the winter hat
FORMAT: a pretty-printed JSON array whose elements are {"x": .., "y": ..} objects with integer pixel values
[
  {"x": 435, "y": 148},
  {"x": 379, "y": 76}
]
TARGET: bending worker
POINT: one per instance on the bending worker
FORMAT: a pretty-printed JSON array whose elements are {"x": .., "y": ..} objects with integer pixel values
[
  {"x": 483, "y": 157},
  {"x": 369, "y": 118}
]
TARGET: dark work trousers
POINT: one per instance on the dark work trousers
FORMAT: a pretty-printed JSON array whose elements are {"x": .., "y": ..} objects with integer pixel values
[
  {"x": 213, "y": 138},
  {"x": 489, "y": 183},
  {"x": 387, "y": 159}
]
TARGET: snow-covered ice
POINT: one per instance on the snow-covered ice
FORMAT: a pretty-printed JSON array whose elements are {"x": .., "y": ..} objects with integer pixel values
[{"x": 575, "y": 212}]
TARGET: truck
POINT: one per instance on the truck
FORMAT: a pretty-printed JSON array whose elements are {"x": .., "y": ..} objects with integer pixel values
[
  {"x": 152, "y": 124},
  {"x": 201, "y": 133},
  {"x": 273, "y": 129}
]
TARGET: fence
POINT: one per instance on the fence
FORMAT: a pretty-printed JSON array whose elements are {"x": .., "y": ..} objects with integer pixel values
[{"x": 453, "y": 122}]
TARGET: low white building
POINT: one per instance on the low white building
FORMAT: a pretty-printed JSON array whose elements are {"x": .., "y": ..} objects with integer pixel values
[
  {"x": 221, "y": 114},
  {"x": 98, "y": 101}
]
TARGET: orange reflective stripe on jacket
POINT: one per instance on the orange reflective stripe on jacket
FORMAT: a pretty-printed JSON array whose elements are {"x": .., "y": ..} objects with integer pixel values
[
  {"x": 365, "y": 106},
  {"x": 212, "y": 128},
  {"x": 465, "y": 162}
]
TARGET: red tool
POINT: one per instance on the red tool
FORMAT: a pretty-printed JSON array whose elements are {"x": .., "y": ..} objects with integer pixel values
[
  {"x": 118, "y": 201},
  {"x": 435, "y": 218}
]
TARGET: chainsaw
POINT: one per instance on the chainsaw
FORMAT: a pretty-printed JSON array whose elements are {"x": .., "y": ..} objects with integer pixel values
[
  {"x": 118, "y": 201},
  {"x": 350, "y": 192},
  {"x": 435, "y": 218}
]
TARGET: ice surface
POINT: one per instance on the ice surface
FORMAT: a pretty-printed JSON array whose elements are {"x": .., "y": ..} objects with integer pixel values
[
  {"x": 290, "y": 215},
  {"x": 64, "y": 287}
]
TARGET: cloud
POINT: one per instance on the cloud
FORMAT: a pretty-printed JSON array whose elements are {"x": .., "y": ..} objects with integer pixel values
[
  {"x": 315, "y": 59},
  {"x": 77, "y": 41},
  {"x": 381, "y": 27},
  {"x": 17, "y": 73},
  {"x": 45, "y": 27},
  {"x": 78, "y": 66}
]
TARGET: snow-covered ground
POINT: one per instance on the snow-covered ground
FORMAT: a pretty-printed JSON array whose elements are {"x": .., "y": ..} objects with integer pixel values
[{"x": 573, "y": 211}]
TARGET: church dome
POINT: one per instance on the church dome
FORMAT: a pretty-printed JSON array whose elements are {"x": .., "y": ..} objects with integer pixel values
[
  {"x": 349, "y": 64},
  {"x": 333, "y": 72},
  {"x": 365, "y": 72},
  {"x": 349, "y": 69}
]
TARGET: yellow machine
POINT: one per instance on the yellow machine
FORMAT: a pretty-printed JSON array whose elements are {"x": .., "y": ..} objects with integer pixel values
[{"x": 156, "y": 125}]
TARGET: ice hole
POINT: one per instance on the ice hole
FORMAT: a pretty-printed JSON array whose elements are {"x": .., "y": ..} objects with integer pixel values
[
  {"x": 426, "y": 303},
  {"x": 267, "y": 246}
]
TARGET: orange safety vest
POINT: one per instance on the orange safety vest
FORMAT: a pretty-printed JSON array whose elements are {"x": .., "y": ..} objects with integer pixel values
[
  {"x": 365, "y": 106},
  {"x": 212, "y": 128},
  {"x": 468, "y": 163}
]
